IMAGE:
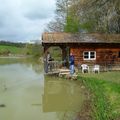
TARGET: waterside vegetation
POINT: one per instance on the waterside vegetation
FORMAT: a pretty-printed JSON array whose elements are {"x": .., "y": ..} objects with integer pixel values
[{"x": 104, "y": 94}]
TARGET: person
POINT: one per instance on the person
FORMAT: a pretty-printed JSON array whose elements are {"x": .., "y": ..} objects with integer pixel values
[
  {"x": 49, "y": 61},
  {"x": 71, "y": 64},
  {"x": 47, "y": 64},
  {"x": 48, "y": 56}
]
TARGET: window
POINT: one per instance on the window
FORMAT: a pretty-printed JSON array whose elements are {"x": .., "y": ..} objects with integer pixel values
[{"x": 89, "y": 55}]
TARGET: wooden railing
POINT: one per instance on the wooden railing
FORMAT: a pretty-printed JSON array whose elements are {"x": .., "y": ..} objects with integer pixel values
[{"x": 52, "y": 66}]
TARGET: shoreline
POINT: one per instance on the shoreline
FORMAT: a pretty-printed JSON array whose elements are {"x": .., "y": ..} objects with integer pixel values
[{"x": 14, "y": 57}]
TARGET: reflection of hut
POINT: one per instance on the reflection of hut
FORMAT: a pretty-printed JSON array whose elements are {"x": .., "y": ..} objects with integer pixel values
[
  {"x": 61, "y": 95},
  {"x": 87, "y": 48}
]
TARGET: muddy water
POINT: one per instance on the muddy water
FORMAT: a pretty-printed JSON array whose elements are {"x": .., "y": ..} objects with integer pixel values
[{"x": 29, "y": 95}]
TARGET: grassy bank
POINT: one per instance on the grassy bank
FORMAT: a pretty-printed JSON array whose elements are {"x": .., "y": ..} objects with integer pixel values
[
  {"x": 28, "y": 49},
  {"x": 104, "y": 91},
  {"x": 5, "y": 49}
]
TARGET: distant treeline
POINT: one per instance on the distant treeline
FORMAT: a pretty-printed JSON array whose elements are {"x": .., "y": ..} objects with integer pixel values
[{"x": 8, "y": 43}]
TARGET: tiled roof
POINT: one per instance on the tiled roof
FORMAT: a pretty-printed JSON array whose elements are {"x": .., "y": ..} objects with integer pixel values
[{"x": 61, "y": 37}]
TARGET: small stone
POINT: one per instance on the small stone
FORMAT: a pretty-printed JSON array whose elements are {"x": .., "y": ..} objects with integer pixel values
[
  {"x": 2, "y": 105},
  {"x": 82, "y": 87}
]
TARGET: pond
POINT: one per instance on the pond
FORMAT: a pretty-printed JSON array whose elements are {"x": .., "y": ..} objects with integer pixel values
[{"x": 26, "y": 94}]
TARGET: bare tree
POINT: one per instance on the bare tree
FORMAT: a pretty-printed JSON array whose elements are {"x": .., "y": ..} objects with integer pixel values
[{"x": 90, "y": 15}]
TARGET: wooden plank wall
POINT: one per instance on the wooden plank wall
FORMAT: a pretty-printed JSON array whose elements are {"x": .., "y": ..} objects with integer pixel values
[{"x": 103, "y": 55}]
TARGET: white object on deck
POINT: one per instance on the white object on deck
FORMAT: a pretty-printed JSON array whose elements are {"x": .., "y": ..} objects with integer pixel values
[
  {"x": 85, "y": 68},
  {"x": 64, "y": 72},
  {"x": 96, "y": 68}
]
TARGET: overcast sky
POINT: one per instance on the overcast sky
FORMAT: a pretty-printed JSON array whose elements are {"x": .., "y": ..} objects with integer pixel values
[{"x": 24, "y": 20}]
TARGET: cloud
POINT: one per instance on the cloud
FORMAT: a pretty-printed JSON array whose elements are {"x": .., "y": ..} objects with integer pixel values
[
  {"x": 23, "y": 20},
  {"x": 34, "y": 15},
  {"x": 42, "y": 10}
]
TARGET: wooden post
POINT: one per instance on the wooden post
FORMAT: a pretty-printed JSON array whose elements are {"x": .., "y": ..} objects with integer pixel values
[{"x": 64, "y": 55}]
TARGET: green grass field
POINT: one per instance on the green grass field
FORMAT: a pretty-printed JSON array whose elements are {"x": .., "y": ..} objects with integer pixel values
[
  {"x": 12, "y": 49},
  {"x": 104, "y": 91},
  {"x": 28, "y": 49}
]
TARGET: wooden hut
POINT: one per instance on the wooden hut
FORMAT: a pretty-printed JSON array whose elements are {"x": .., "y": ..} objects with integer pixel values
[{"x": 94, "y": 48}]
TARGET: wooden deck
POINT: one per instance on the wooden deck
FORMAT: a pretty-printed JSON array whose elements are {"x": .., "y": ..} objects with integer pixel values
[
  {"x": 63, "y": 73},
  {"x": 52, "y": 73},
  {"x": 59, "y": 72}
]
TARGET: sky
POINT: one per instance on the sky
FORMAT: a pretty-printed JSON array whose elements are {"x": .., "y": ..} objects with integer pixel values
[{"x": 24, "y": 20}]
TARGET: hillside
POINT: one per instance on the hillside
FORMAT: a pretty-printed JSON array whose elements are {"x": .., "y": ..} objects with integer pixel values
[{"x": 6, "y": 50}]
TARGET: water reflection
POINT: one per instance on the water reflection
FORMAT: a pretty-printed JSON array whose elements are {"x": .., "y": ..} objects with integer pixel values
[
  {"x": 28, "y": 62},
  {"x": 21, "y": 88},
  {"x": 28, "y": 95},
  {"x": 61, "y": 95},
  {"x": 19, "y": 72}
]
